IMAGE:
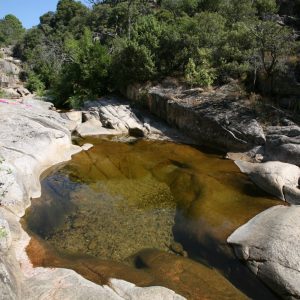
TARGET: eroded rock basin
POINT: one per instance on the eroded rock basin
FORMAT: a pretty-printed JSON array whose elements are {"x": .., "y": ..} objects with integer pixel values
[{"x": 133, "y": 210}]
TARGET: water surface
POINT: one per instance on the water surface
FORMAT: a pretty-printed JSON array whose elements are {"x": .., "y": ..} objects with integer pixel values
[{"x": 120, "y": 210}]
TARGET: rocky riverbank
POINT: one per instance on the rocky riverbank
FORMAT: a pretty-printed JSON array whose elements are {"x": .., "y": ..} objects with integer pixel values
[{"x": 34, "y": 138}]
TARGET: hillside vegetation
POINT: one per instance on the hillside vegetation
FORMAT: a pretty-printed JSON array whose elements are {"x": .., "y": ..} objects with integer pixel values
[{"x": 79, "y": 52}]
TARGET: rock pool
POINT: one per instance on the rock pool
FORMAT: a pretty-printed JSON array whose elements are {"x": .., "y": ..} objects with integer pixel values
[{"x": 133, "y": 210}]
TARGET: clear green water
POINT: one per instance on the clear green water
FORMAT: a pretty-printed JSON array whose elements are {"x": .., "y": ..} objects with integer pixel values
[{"x": 117, "y": 209}]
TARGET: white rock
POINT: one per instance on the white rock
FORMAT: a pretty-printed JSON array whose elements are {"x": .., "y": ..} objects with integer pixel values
[
  {"x": 116, "y": 115},
  {"x": 129, "y": 291},
  {"x": 270, "y": 244},
  {"x": 271, "y": 176},
  {"x": 94, "y": 127},
  {"x": 87, "y": 146},
  {"x": 75, "y": 116},
  {"x": 292, "y": 194}
]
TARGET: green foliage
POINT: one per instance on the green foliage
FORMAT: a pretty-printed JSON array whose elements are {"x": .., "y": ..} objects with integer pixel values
[
  {"x": 3, "y": 232},
  {"x": 11, "y": 30},
  {"x": 273, "y": 44},
  {"x": 85, "y": 71},
  {"x": 179, "y": 7},
  {"x": 200, "y": 73},
  {"x": 3, "y": 94},
  {"x": 266, "y": 6},
  {"x": 79, "y": 53},
  {"x": 132, "y": 63},
  {"x": 238, "y": 10},
  {"x": 35, "y": 84}
]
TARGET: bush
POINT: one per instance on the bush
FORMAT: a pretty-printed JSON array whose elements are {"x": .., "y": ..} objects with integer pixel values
[
  {"x": 199, "y": 75},
  {"x": 35, "y": 84},
  {"x": 132, "y": 63},
  {"x": 85, "y": 73}
]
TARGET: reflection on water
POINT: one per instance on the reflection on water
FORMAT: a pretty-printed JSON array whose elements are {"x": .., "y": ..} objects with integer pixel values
[{"x": 109, "y": 205}]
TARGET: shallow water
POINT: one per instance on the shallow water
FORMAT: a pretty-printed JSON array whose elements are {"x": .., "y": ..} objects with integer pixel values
[{"x": 116, "y": 210}]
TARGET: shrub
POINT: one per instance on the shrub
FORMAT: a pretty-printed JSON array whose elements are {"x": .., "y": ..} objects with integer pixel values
[
  {"x": 35, "y": 84},
  {"x": 200, "y": 72}
]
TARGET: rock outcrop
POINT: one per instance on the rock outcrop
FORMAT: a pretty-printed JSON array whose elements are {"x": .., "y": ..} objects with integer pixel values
[
  {"x": 9, "y": 73},
  {"x": 32, "y": 139},
  {"x": 269, "y": 244},
  {"x": 267, "y": 150},
  {"x": 215, "y": 118}
]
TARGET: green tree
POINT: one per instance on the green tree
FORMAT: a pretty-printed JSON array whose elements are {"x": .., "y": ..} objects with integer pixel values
[
  {"x": 200, "y": 72},
  {"x": 179, "y": 7},
  {"x": 238, "y": 10},
  {"x": 273, "y": 45},
  {"x": 132, "y": 63},
  {"x": 11, "y": 30},
  {"x": 266, "y": 7},
  {"x": 85, "y": 71}
]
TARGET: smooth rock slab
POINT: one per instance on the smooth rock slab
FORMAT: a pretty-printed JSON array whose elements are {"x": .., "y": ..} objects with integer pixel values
[
  {"x": 270, "y": 244},
  {"x": 5, "y": 236}
]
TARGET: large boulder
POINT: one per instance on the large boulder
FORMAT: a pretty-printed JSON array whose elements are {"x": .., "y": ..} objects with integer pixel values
[
  {"x": 269, "y": 243},
  {"x": 32, "y": 139},
  {"x": 273, "y": 177},
  {"x": 67, "y": 285},
  {"x": 283, "y": 144}
]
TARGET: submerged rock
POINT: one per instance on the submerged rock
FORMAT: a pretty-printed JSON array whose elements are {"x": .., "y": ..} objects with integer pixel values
[
  {"x": 177, "y": 248},
  {"x": 270, "y": 243}
]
